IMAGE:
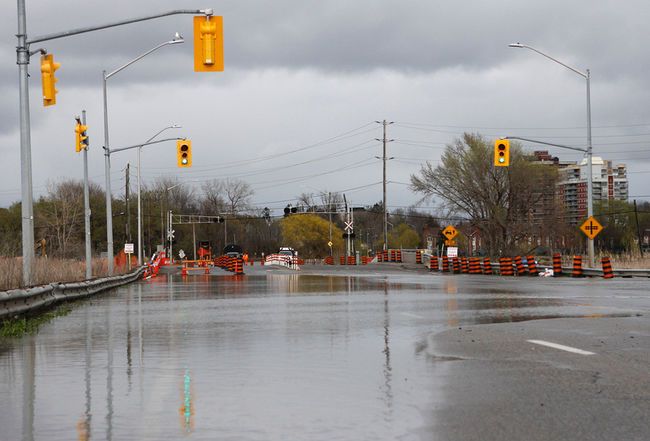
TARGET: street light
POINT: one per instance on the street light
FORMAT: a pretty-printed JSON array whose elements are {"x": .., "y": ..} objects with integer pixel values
[
  {"x": 590, "y": 202},
  {"x": 107, "y": 151},
  {"x": 173, "y": 126}
]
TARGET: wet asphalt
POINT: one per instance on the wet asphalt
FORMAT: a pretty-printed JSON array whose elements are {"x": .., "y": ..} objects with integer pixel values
[{"x": 384, "y": 352}]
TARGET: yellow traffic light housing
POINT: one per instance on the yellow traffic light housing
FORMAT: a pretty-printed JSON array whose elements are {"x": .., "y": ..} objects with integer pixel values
[
  {"x": 501, "y": 153},
  {"x": 208, "y": 44},
  {"x": 81, "y": 137},
  {"x": 48, "y": 68},
  {"x": 184, "y": 153}
]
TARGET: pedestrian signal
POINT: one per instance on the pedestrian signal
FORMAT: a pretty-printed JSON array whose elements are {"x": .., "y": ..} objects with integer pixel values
[
  {"x": 184, "y": 153},
  {"x": 501, "y": 153}
]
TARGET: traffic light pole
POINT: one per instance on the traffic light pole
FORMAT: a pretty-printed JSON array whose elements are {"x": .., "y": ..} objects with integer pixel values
[
  {"x": 22, "y": 60},
  {"x": 89, "y": 266}
]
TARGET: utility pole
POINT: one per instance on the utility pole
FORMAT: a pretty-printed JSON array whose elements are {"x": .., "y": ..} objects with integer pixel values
[
  {"x": 128, "y": 209},
  {"x": 638, "y": 230},
  {"x": 384, "y": 158}
]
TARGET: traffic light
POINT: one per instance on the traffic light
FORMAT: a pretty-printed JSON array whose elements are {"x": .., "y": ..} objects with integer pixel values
[
  {"x": 81, "y": 137},
  {"x": 208, "y": 44},
  {"x": 501, "y": 153},
  {"x": 48, "y": 67},
  {"x": 184, "y": 153}
]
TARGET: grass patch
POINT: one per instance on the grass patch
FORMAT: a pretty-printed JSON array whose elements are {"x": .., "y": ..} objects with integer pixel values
[{"x": 18, "y": 327}]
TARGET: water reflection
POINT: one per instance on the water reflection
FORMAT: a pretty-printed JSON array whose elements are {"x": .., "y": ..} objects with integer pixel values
[{"x": 294, "y": 356}]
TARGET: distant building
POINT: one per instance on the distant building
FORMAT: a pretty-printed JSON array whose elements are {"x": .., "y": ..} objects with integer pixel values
[{"x": 609, "y": 183}]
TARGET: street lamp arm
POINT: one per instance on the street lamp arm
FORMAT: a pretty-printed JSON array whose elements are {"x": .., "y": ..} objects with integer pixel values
[
  {"x": 547, "y": 143},
  {"x": 144, "y": 144},
  {"x": 119, "y": 23},
  {"x": 175, "y": 41},
  {"x": 525, "y": 46}
]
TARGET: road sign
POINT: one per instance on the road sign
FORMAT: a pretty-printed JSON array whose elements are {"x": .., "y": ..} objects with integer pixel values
[
  {"x": 348, "y": 226},
  {"x": 591, "y": 227},
  {"x": 170, "y": 234},
  {"x": 181, "y": 254},
  {"x": 452, "y": 252},
  {"x": 128, "y": 248},
  {"x": 450, "y": 232},
  {"x": 329, "y": 244},
  {"x": 450, "y": 243}
]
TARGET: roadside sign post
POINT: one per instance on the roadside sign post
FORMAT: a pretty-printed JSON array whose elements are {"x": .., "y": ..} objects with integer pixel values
[{"x": 128, "y": 250}]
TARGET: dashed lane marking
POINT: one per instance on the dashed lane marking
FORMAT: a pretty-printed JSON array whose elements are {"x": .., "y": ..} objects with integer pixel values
[{"x": 561, "y": 347}]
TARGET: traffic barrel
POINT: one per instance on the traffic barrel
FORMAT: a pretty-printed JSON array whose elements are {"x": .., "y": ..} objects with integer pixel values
[
  {"x": 433, "y": 263},
  {"x": 445, "y": 264},
  {"x": 184, "y": 271},
  {"x": 418, "y": 256},
  {"x": 577, "y": 266},
  {"x": 474, "y": 265},
  {"x": 385, "y": 254},
  {"x": 521, "y": 269},
  {"x": 380, "y": 257},
  {"x": 456, "y": 264},
  {"x": 505, "y": 266},
  {"x": 464, "y": 268},
  {"x": 557, "y": 264},
  {"x": 532, "y": 266},
  {"x": 393, "y": 256},
  {"x": 239, "y": 266},
  {"x": 487, "y": 266},
  {"x": 608, "y": 273},
  {"x": 342, "y": 260}
]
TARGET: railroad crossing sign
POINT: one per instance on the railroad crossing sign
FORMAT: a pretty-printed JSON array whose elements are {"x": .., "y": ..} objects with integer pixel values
[
  {"x": 349, "y": 227},
  {"x": 591, "y": 227},
  {"x": 450, "y": 232}
]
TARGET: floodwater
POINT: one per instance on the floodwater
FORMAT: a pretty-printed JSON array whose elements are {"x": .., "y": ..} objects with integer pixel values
[{"x": 273, "y": 355}]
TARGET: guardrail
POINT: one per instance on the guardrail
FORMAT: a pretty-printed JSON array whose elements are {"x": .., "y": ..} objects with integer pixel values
[{"x": 20, "y": 301}]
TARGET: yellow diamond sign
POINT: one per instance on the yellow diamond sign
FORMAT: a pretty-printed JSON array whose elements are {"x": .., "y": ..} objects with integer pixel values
[
  {"x": 449, "y": 232},
  {"x": 591, "y": 227}
]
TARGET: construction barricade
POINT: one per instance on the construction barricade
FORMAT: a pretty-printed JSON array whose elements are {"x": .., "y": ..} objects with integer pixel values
[
  {"x": 418, "y": 257},
  {"x": 464, "y": 267},
  {"x": 474, "y": 265},
  {"x": 577, "y": 266},
  {"x": 532, "y": 266},
  {"x": 608, "y": 273},
  {"x": 557, "y": 265},
  {"x": 519, "y": 264},
  {"x": 433, "y": 263},
  {"x": 505, "y": 266},
  {"x": 487, "y": 266},
  {"x": 445, "y": 264},
  {"x": 456, "y": 264}
]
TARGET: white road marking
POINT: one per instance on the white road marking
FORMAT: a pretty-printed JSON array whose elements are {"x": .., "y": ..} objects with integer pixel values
[
  {"x": 408, "y": 314},
  {"x": 561, "y": 347}
]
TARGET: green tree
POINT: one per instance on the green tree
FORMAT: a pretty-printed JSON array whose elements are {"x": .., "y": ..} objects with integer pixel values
[
  {"x": 403, "y": 236},
  {"x": 497, "y": 200},
  {"x": 309, "y": 234}
]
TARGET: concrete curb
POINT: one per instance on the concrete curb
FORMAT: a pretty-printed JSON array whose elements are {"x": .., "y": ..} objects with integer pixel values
[{"x": 20, "y": 301}]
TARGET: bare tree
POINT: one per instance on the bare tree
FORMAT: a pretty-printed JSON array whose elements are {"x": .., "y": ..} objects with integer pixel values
[
  {"x": 238, "y": 194},
  {"x": 61, "y": 212},
  {"x": 213, "y": 200}
]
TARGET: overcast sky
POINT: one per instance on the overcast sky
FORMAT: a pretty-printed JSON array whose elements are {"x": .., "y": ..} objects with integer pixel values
[{"x": 300, "y": 72}]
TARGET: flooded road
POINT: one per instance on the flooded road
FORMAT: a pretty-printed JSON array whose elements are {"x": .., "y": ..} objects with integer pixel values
[{"x": 318, "y": 355}]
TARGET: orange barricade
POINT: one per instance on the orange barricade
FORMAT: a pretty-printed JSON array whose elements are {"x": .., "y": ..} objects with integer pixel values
[
  {"x": 557, "y": 265},
  {"x": 456, "y": 264},
  {"x": 608, "y": 273},
  {"x": 433, "y": 263},
  {"x": 519, "y": 263},
  {"x": 399, "y": 256},
  {"x": 418, "y": 256},
  {"x": 577, "y": 266},
  {"x": 532, "y": 266},
  {"x": 474, "y": 265},
  {"x": 445, "y": 264},
  {"x": 487, "y": 266},
  {"x": 464, "y": 268}
]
